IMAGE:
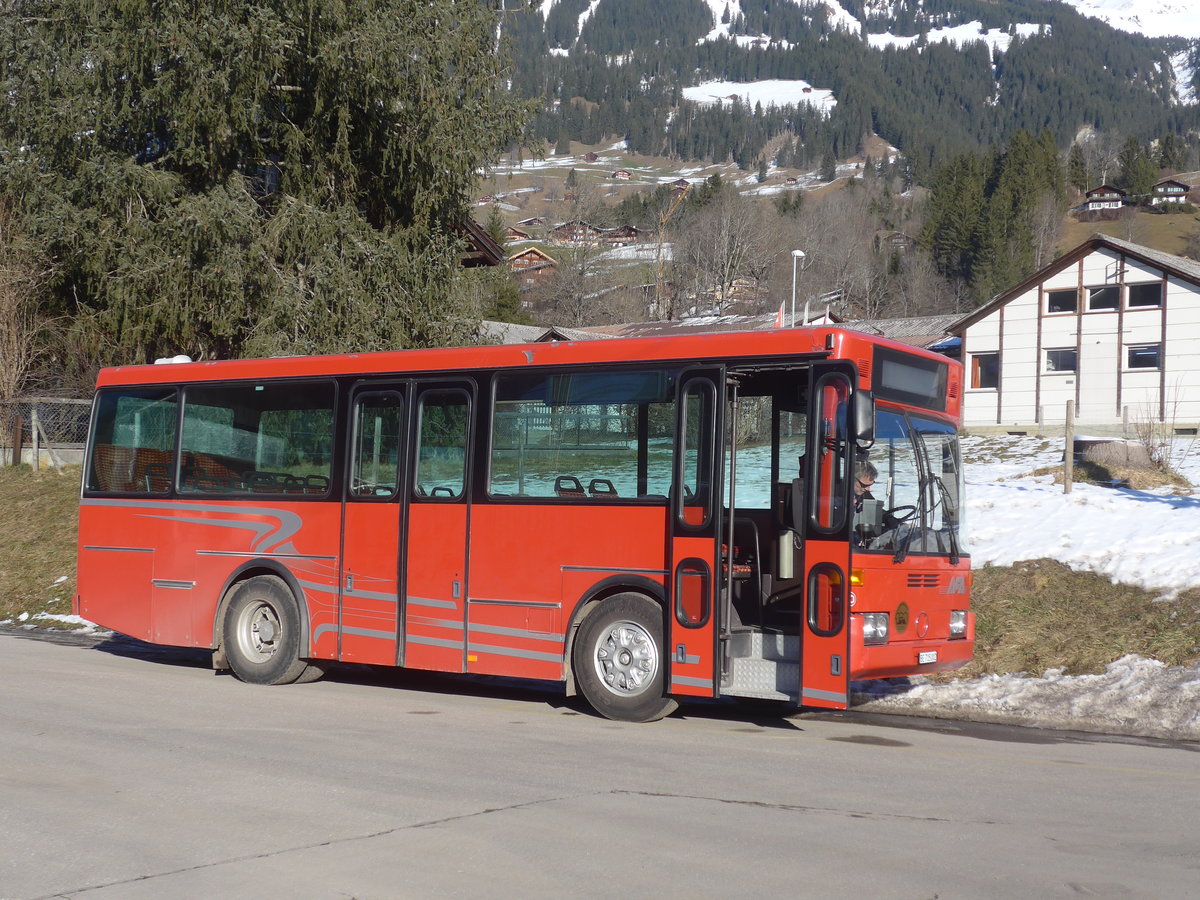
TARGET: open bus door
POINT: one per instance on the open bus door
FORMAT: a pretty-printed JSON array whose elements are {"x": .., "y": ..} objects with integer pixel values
[
  {"x": 825, "y": 621},
  {"x": 695, "y": 523}
]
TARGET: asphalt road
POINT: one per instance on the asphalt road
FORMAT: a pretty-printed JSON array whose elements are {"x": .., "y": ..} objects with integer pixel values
[{"x": 132, "y": 774}]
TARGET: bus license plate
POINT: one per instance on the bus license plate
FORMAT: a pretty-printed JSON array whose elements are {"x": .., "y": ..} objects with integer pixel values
[{"x": 926, "y": 656}]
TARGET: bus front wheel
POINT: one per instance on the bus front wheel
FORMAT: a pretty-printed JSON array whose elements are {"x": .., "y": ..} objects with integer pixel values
[
  {"x": 261, "y": 634},
  {"x": 618, "y": 660}
]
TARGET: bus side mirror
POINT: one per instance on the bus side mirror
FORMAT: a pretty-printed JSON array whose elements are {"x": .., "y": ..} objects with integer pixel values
[{"x": 864, "y": 419}]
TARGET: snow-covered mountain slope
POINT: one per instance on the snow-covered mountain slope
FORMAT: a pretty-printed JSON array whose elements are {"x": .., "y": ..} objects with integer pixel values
[{"x": 1153, "y": 18}]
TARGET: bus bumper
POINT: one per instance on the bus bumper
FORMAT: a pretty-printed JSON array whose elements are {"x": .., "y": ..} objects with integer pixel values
[{"x": 908, "y": 657}]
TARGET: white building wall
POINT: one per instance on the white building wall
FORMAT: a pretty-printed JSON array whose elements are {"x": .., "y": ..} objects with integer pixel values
[{"x": 1107, "y": 390}]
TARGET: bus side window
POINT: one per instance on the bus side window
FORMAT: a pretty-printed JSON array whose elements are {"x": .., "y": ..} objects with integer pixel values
[
  {"x": 377, "y": 419},
  {"x": 442, "y": 453},
  {"x": 133, "y": 449}
]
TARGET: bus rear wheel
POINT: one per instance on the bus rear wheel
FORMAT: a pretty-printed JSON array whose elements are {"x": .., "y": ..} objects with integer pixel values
[
  {"x": 618, "y": 660},
  {"x": 261, "y": 634}
]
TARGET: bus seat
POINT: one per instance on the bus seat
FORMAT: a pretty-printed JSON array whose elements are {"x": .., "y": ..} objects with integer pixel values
[
  {"x": 113, "y": 467},
  {"x": 568, "y": 486},
  {"x": 601, "y": 487},
  {"x": 316, "y": 484},
  {"x": 263, "y": 482}
]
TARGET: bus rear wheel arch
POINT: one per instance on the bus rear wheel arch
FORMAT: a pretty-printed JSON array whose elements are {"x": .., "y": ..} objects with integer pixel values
[
  {"x": 260, "y": 634},
  {"x": 618, "y": 659}
]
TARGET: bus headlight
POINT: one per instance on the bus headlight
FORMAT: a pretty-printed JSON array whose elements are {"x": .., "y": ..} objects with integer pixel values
[
  {"x": 875, "y": 628},
  {"x": 958, "y": 624}
]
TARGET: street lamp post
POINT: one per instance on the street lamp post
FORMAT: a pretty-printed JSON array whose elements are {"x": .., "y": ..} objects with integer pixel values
[{"x": 797, "y": 255}]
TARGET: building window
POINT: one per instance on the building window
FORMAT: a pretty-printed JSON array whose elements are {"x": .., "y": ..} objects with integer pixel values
[
  {"x": 1107, "y": 297},
  {"x": 1062, "y": 360},
  {"x": 1144, "y": 356},
  {"x": 985, "y": 370},
  {"x": 1061, "y": 301},
  {"x": 1148, "y": 294}
]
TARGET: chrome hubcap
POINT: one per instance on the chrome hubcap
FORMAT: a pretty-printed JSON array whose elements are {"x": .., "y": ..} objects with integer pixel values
[
  {"x": 259, "y": 632},
  {"x": 626, "y": 658}
]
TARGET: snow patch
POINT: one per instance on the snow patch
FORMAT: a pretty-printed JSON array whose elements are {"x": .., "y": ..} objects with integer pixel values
[
  {"x": 770, "y": 92},
  {"x": 998, "y": 39},
  {"x": 1134, "y": 696}
]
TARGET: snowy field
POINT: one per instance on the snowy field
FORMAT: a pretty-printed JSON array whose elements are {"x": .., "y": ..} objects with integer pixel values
[{"x": 1145, "y": 538}]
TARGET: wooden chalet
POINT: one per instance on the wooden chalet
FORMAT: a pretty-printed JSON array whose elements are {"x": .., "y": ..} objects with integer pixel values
[
  {"x": 574, "y": 233},
  {"x": 1169, "y": 191},
  {"x": 531, "y": 265},
  {"x": 1104, "y": 197},
  {"x": 622, "y": 235}
]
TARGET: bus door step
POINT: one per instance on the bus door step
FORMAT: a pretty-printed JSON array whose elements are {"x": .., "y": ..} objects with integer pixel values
[{"x": 764, "y": 666}]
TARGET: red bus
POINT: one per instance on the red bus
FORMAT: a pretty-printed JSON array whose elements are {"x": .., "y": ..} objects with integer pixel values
[{"x": 645, "y": 520}]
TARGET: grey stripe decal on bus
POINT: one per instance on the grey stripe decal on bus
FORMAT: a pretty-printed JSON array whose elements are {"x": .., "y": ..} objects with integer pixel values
[
  {"x": 823, "y": 695},
  {"x": 123, "y": 549},
  {"x": 427, "y": 622},
  {"x": 433, "y": 642},
  {"x": 429, "y": 601},
  {"x": 613, "y": 569},
  {"x": 268, "y": 554},
  {"x": 288, "y": 522},
  {"x": 173, "y": 585},
  {"x": 319, "y": 588},
  {"x": 321, "y": 630},
  {"x": 690, "y": 681},
  {"x": 380, "y": 596},
  {"x": 531, "y": 604},
  {"x": 517, "y": 632},
  {"x": 509, "y": 651}
]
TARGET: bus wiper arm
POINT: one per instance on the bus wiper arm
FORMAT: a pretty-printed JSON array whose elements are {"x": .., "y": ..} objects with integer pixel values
[{"x": 951, "y": 521}]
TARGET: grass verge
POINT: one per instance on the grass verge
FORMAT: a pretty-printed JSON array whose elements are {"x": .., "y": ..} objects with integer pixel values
[
  {"x": 39, "y": 521},
  {"x": 1039, "y": 615}
]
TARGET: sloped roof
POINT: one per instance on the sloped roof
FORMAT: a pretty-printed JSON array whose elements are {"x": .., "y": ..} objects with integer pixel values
[
  {"x": 534, "y": 251},
  {"x": 481, "y": 250},
  {"x": 920, "y": 331},
  {"x": 509, "y": 332},
  {"x": 1187, "y": 269}
]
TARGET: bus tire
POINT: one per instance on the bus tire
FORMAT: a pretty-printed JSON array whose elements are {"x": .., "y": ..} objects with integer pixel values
[
  {"x": 261, "y": 633},
  {"x": 618, "y": 660}
]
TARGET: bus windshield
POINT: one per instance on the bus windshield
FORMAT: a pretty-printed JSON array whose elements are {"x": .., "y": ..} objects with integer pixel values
[{"x": 909, "y": 498}]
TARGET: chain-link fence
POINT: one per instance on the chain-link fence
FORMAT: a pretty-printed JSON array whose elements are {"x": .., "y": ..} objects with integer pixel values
[{"x": 43, "y": 430}]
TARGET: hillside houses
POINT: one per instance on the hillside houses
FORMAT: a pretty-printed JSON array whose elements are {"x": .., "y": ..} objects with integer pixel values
[
  {"x": 1107, "y": 199},
  {"x": 580, "y": 232}
]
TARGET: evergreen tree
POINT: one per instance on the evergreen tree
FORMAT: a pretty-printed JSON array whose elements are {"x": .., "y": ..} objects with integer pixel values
[
  {"x": 495, "y": 225},
  {"x": 1139, "y": 171},
  {"x": 1172, "y": 152},
  {"x": 1077, "y": 170},
  {"x": 224, "y": 178},
  {"x": 828, "y": 167}
]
